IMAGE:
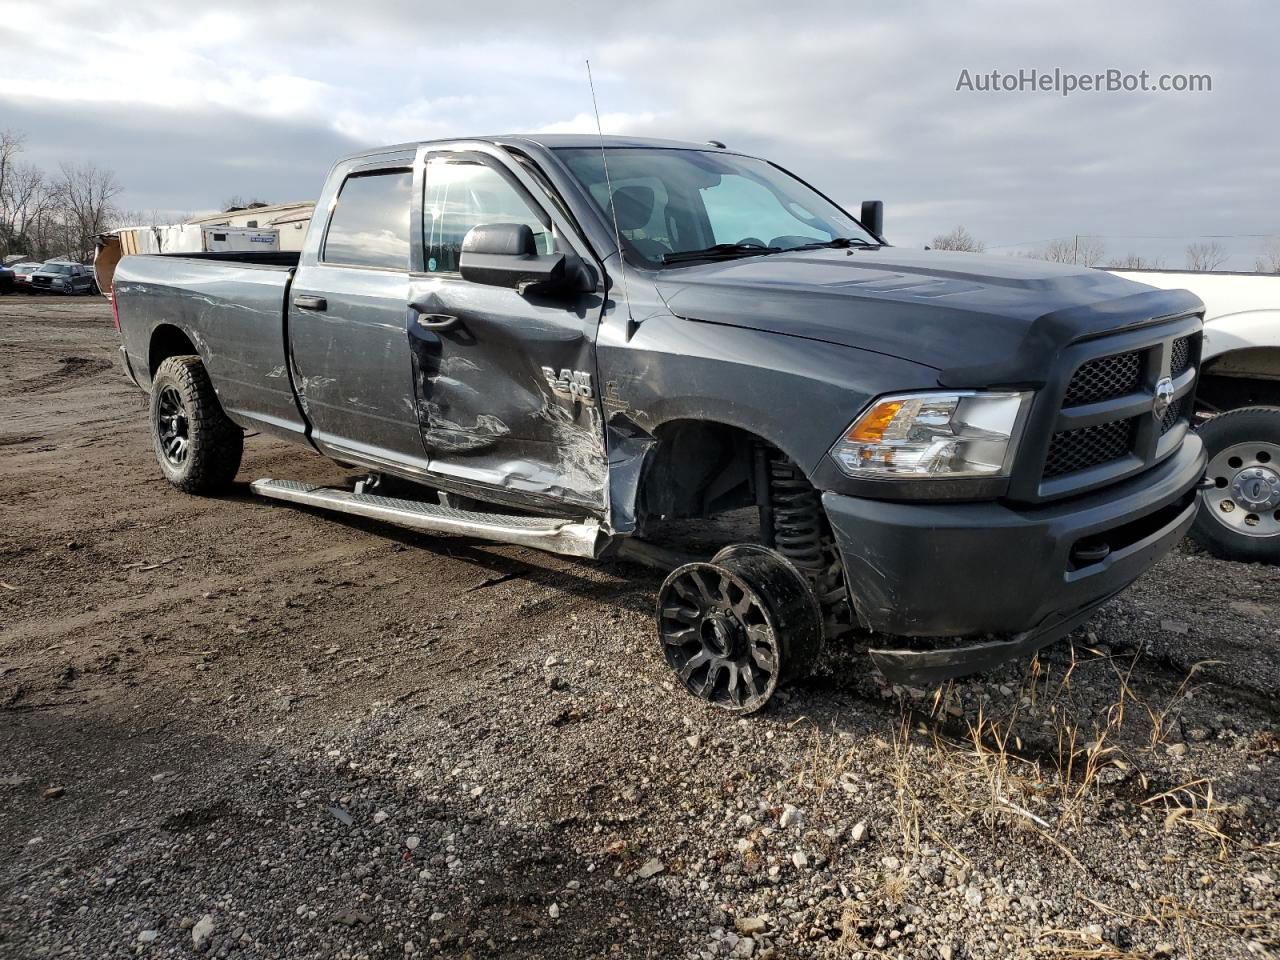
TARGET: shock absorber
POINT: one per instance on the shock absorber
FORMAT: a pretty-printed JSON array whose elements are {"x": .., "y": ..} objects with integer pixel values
[{"x": 798, "y": 529}]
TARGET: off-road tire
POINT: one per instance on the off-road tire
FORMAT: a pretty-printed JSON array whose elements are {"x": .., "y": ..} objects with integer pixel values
[
  {"x": 214, "y": 443},
  {"x": 1246, "y": 427}
]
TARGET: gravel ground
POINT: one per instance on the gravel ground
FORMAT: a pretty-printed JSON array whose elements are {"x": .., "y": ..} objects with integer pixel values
[{"x": 235, "y": 728}]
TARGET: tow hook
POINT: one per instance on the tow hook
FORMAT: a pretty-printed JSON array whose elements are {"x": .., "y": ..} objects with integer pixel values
[{"x": 1088, "y": 552}]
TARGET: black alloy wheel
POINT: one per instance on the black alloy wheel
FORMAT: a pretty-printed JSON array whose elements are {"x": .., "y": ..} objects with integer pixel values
[{"x": 736, "y": 627}]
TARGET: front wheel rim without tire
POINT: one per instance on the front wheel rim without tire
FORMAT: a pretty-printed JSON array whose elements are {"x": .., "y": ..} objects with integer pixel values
[
  {"x": 1245, "y": 496},
  {"x": 719, "y": 636},
  {"x": 173, "y": 426}
]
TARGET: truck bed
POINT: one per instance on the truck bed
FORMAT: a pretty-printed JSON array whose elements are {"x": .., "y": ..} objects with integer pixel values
[
  {"x": 264, "y": 258},
  {"x": 231, "y": 307}
]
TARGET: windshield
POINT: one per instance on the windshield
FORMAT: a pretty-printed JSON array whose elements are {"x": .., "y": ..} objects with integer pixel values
[
  {"x": 672, "y": 201},
  {"x": 56, "y": 268}
]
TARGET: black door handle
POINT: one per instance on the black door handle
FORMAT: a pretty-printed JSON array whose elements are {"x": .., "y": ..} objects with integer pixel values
[
  {"x": 307, "y": 302},
  {"x": 437, "y": 321}
]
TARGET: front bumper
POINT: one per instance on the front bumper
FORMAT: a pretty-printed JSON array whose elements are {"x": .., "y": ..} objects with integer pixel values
[{"x": 973, "y": 569}]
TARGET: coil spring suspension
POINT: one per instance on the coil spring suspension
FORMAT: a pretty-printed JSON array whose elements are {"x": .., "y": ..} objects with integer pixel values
[{"x": 801, "y": 534}]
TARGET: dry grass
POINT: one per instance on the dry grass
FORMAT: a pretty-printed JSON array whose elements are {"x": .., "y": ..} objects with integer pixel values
[
  {"x": 980, "y": 768},
  {"x": 1160, "y": 718},
  {"x": 1030, "y": 768},
  {"x": 1080, "y": 946},
  {"x": 827, "y": 759},
  {"x": 1192, "y": 805},
  {"x": 907, "y": 804}
]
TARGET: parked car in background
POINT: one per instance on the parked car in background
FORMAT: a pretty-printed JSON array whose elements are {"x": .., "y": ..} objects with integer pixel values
[
  {"x": 22, "y": 272},
  {"x": 6, "y": 280},
  {"x": 1239, "y": 394},
  {"x": 59, "y": 276}
]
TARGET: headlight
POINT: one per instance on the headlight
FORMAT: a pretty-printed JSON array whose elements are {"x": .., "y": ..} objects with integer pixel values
[{"x": 933, "y": 435}]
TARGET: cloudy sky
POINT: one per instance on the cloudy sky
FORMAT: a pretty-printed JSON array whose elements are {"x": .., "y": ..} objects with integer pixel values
[{"x": 192, "y": 103}]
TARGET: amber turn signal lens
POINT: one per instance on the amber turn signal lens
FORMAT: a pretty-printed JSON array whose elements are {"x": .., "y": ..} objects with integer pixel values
[{"x": 871, "y": 426}]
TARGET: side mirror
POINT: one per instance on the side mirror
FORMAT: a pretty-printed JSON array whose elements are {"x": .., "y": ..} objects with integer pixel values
[
  {"x": 506, "y": 255},
  {"x": 873, "y": 217}
]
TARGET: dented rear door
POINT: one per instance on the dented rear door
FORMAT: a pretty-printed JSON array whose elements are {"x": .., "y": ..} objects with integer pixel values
[{"x": 505, "y": 384}]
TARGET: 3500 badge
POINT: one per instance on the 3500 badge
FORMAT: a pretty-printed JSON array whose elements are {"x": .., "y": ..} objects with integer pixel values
[{"x": 570, "y": 384}]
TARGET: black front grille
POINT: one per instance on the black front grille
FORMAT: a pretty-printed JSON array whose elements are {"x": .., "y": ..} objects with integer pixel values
[
  {"x": 1072, "y": 450},
  {"x": 1104, "y": 379},
  {"x": 1180, "y": 356},
  {"x": 1119, "y": 389}
]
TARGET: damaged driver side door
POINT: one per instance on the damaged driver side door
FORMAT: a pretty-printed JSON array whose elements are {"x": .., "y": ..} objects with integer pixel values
[{"x": 504, "y": 380}]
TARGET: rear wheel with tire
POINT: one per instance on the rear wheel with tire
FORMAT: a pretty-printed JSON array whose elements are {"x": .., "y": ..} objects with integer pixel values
[
  {"x": 1240, "y": 517},
  {"x": 198, "y": 446}
]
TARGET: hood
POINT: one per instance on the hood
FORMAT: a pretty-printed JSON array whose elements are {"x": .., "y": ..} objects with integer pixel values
[{"x": 978, "y": 320}]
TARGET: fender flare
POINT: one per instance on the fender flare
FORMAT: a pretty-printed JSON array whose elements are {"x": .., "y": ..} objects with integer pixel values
[{"x": 1245, "y": 330}]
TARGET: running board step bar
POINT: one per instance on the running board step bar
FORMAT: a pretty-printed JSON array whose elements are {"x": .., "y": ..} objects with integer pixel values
[{"x": 573, "y": 538}]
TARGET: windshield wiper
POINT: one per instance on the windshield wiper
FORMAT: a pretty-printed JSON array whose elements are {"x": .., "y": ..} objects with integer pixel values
[
  {"x": 838, "y": 243},
  {"x": 720, "y": 251}
]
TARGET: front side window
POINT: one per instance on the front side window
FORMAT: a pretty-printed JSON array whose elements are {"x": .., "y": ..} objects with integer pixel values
[
  {"x": 672, "y": 201},
  {"x": 463, "y": 192},
  {"x": 370, "y": 223}
]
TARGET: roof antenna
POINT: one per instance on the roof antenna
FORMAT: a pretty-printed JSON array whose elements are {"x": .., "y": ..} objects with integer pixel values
[{"x": 608, "y": 184}]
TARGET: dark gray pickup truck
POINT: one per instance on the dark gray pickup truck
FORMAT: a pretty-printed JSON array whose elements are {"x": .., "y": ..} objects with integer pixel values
[{"x": 568, "y": 342}]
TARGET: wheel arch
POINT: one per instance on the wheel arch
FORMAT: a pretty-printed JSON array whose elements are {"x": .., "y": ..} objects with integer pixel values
[
  {"x": 1244, "y": 377},
  {"x": 1229, "y": 333},
  {"x": 696, "y": 466},
  {"x": 167, "y": 340}
]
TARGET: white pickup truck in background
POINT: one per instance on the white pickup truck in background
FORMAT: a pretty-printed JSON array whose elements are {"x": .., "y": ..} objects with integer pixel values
[{"x": 1238, "y": 398}]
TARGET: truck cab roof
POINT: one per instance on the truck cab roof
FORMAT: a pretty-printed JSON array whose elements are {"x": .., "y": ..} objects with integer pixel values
[{"x": 550, "y": 141}]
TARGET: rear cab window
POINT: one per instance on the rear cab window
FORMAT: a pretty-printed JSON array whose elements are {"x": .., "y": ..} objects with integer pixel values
[{"x": 370, "y": 222}]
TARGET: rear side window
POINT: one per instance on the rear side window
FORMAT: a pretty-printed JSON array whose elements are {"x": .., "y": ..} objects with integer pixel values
[
  {"x": 464, "y": 192},
  {"x": 370, "y": 224}
]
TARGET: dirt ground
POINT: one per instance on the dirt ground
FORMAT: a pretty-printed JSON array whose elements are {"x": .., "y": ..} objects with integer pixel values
[{"x": 237, "y": 728}]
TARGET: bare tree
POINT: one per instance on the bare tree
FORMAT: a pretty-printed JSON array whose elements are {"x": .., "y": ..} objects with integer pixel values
[
  {"x": 85, "y": 192},
  {"x": 1060, "y": 250},
  {"x": 10, "y": 147},
  {"x": 958, "y": 239},
  {"x": 1089, "y": 251},
  {"x": 25, "y": 208},
  {"x": 1204, "y": 256},
  {"x": 20, "y": 187},
  {"x": 1269, "y": 262},
  {"x": 1132, "y": 261},
  {"x": 134, "y": 218},
  {"x": 1081, "y": 248},
  {"x": 42, "y": 217}
]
